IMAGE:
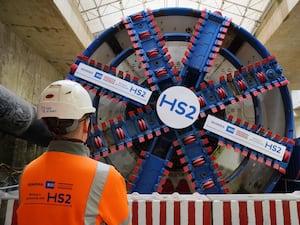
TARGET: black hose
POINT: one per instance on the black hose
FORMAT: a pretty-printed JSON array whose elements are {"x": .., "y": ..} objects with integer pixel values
[{"x": 19, "y": 118}]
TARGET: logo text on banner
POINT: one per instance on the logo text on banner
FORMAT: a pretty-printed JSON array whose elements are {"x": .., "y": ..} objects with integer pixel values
[
  {"x": 244, "y": 137},
  {"x": 113, "y": 83}
]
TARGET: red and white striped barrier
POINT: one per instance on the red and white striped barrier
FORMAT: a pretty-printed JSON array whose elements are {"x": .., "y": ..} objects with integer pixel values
[
  {"x": 174, "y": 209},
  {"x": 256, "y": 209},
  {"x": 10, "y": 215},
  {"x": 196, "y": 209}
]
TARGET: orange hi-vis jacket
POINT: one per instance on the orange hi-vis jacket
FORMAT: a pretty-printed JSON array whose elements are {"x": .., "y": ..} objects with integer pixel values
[{"x": 65, "y": 186}]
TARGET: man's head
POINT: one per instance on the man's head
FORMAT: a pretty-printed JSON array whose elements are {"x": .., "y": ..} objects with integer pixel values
[{"x": 65, "y": 106}]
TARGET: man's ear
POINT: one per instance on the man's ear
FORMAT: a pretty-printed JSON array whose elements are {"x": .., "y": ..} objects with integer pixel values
[{"x": 86, "y": 126}]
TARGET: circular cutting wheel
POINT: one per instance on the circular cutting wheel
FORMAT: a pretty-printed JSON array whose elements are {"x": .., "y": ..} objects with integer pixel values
[{"x": 186, "y": 102}]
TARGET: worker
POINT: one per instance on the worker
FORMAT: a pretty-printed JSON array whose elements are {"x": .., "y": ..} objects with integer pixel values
[{"x": 64, "y": 185}]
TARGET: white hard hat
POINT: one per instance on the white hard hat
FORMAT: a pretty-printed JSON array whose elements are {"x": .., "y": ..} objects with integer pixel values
[{"x": 64, "y": 99}]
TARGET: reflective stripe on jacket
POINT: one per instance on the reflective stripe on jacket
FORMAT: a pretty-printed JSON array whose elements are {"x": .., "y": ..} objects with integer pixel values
[{"x": 67, "y": 187}]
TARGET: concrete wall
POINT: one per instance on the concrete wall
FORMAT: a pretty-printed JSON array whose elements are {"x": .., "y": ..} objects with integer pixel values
[{"x": 26, "y": 74}]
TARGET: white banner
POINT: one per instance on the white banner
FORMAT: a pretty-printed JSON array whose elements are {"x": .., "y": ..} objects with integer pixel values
[
  {"x": 113, "y": 83},
  {"x": 244, "y": 137}
]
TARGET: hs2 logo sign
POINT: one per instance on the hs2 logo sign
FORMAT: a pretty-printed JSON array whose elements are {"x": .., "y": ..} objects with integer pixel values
[{"x": 178, "y": 107}]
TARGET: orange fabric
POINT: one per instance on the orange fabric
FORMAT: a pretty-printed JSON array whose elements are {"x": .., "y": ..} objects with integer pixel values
[
  {"x": 54, "y": 189},
  {"x": 113, "y": 204}
]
